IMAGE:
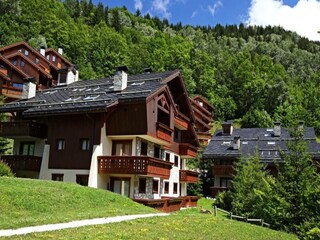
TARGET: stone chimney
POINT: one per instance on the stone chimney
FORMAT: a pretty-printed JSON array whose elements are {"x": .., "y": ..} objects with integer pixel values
[
  {"x": 277, "y": 129},
  {"x": 120, "y": 78},
  {"x": 43, "y": 51},
  {"x": 227, "y": 128},
  {"x": 236, "y": 143},
  {"x": 29, "y": 90},
  {"x": 60, "y": 50}
]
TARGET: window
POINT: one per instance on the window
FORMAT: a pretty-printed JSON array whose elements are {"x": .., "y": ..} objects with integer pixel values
[
  {"x": 144, "y": 149},
  {"x": 17, "y": 85},
  {"x": 166, "y": 187},
  {"x": 37, "y": 60},
  {"x": 122, "y": 147},
  {"x": 22, "y": 63},
  {"x": 27, "y": 148},
  {"x": 15, "y": 61},
  {"x": 82, "y": 179},
  {"x": 85, "y": 144},
  {"x": 225, "y": 182},
  {"x": 181, "y": 163},
  {"x": 177, "y": 135},
  {"x": 26, "y": 52},
  {"x": 53, "y": 58},
  {"x": 61, "y": 144},
  {"x": 176, "y": 160},
  {"x": 175, "y": 188},
  {"x": 156, "y": 151},
  {"x": 48, "y": 57},
  {"x": 57, "y": 177},
  {"x": 155, "y": 188},
  {"x": 142, "y": 185},
  {"x": 168, "y": 157}
]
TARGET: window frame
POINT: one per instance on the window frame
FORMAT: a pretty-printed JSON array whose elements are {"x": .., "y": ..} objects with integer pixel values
[
  {"x": 62, "y": 146},
  {"x": 166, "y": 186},
  {"x": 143, "y": 185},
  {"x": 85, "y": 144},
  {"x": 57, "y": 177}
]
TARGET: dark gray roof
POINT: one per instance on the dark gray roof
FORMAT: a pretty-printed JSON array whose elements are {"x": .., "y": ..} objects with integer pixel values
[
  {"x": 257, "y": 139},
  {"x": 88, "y": 95}
]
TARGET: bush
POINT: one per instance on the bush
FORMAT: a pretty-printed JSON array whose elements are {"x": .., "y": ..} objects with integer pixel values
[
  {"x": 224, "y": 200},
  {"x": 5, "y": 170}
]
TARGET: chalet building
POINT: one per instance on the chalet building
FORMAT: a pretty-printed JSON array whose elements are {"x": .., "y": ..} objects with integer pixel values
[
  {"x": 229, "y": 144},
  {"x": 46, "y": 69},
  {"x": 203, "y": 112},
  {"x": 131, "y": 134}
]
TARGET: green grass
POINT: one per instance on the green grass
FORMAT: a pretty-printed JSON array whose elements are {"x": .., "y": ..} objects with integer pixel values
[
  {"x": 186, "y": 224},
  {"x": 26, "y": 202}
]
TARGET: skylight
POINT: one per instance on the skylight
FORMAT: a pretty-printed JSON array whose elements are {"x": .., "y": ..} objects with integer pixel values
[
  {"x": 72, "y": 99},
  {"x": 269, "y": 129},
  {"x": 137, "y": 83},
  {"x": 271, "y": 143},
  {"x": 91, "y": 97},
  {"x": 245, "y": 143},
  {"x": 226, "y": 143}
]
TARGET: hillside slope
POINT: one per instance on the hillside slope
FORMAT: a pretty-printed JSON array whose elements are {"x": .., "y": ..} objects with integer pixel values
[{"x": 26, "y": 202}]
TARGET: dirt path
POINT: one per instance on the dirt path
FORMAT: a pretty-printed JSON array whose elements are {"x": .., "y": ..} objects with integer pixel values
[{"x": 75, "y": 224}]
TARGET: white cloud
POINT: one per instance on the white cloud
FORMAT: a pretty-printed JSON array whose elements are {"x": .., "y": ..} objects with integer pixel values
[
  {"x": 304, "y": 17},
  {"x": 138, "y": 4},
  {"x": 195, "y": 13},
  {"x": 214, "y": 7},
  {"x": 161, "y": 6}
]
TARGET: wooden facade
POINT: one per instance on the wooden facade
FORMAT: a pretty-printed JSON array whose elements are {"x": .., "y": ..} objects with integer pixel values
[
  {"x": 134, "y": 142},
  {"x": 27, "y": 64}
]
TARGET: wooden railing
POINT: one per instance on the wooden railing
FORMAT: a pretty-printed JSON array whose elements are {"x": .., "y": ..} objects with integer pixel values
[
  {"x": 187, "y": 150},
  {"x": 14, "y": 129},
  {"x": 12, "y": 92},
  {"x": 141, "y": 165},
  {"x": 164, "y": 132},
  {"x": 22, "y": 162},
  {"x": 189, "y": 176},
  {"x": 226, "y": 170}
]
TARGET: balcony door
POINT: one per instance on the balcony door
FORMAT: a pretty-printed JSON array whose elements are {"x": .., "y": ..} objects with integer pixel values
[
  {"x": 122, "y": 147},
  {"x": 120, "y": 186}
]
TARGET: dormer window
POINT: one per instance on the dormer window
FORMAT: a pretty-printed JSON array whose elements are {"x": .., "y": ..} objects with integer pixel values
[
  {"x": 22, "y": 64},
  {"x": 15, "y": 62},
  {"x": 37, "y": 60},
  {"x": 48, "y": 57},
  {"x": 53, "y": 58},
  {"x": 26, "y": 52}
]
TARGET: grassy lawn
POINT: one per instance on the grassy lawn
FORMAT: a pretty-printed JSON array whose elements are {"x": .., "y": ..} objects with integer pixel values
[
  {"x": 26, "y": 202},
  {"x": 186, "y": 224}
]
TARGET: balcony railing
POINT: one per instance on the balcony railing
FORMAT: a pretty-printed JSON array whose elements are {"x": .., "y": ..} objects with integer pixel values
[
  {"x": 141, "y": 165},
  {"x": 19, "y": 129},
  {"x": 164, "y": 132},
  {"x": 22, "y": 162},
  {"x": 226, "y": 170},
  {"x": 12, "y": 92},
  {"x": 187, "y": 150},
  {"x": 188, "y": 176}
]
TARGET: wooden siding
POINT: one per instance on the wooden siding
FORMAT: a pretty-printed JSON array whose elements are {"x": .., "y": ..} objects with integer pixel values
[
  {"x": 128, "y": 119},
  {"x": 22, "y": 162},
  {"x": 19, "y": 129},
  {"x": 73, "y": 128}
]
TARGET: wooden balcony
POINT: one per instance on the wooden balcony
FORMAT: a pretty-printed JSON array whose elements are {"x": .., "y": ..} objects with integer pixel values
[
  {"x": 164, "y": 132},
  {"x": 216, "y": 190},
  {"x": 141, "y": 165},
  {"x": 223, "y": 170},
  {"x": 187, "y": 150},
  {"x": 188, "y": 176},
  {"x": 180, "y": 123},
  {"x": 22, "y": 162},
  {"x": 23, "y": 129},
  {"x": 11, "y": 92}
]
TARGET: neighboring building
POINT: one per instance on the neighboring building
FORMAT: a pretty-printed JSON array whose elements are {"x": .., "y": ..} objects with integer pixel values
[
  {"x": 129, "y": 134},
  {"x": 229, "y": 144},
  {"x": 20, "y": 64},
  {"x": 203, "y": 112}
]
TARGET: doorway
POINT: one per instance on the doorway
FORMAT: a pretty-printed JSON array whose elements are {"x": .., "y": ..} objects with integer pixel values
[{"x": 120, "y": 186}]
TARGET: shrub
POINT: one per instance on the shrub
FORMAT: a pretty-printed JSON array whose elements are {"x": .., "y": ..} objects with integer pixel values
[
  {"x": 224, "y": 199},
  {"x": 5, "y": 170}
]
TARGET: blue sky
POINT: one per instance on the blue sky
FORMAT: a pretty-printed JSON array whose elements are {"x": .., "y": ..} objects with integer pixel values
[{"x": 302, "y": 16}]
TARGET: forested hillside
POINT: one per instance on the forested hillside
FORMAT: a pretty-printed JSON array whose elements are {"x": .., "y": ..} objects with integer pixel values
[{"x": 254, "y": 74}]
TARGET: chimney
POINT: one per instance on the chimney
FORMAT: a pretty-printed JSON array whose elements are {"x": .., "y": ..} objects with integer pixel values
[
  {"x": 227, "y": 128},
  {"x": 60, "y": 50},
  {"x": 147, "y": 70},
  {"x": 43, "y": 51},
  {"x": 120, "y": 78},
  {"x": 300, "y": 125},
  {"x": 29, "y": 90},
  {"x": 277, "y": 129},
  {"x": 236, "y": 143}
]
